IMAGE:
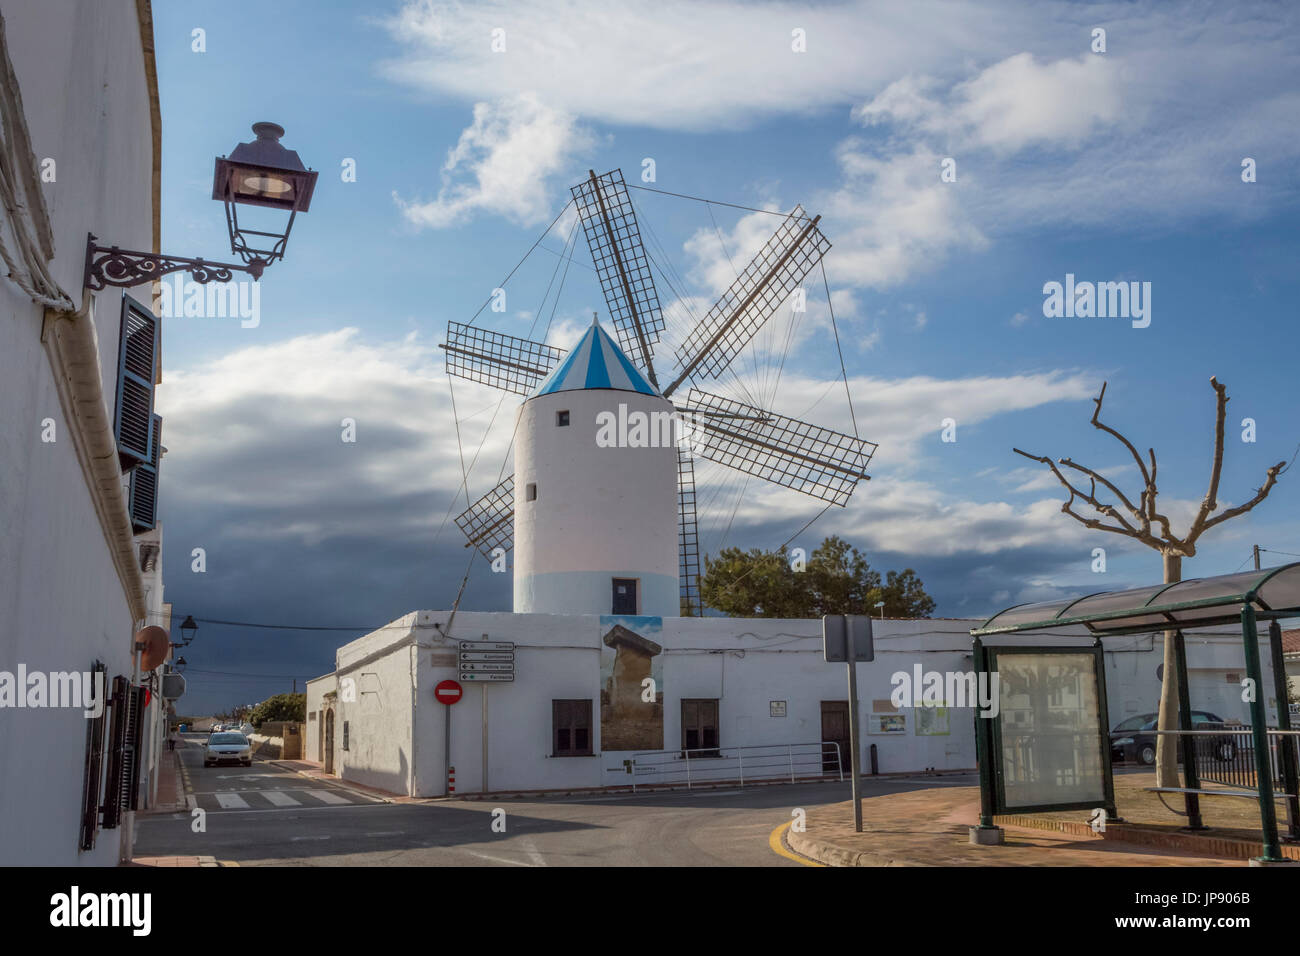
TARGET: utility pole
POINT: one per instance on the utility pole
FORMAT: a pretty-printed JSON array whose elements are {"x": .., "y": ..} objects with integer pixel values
[{"x": 1256, "y": 557}]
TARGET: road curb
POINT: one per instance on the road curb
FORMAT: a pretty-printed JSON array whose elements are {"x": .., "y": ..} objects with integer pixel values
[{"x": 832, "y": 855}]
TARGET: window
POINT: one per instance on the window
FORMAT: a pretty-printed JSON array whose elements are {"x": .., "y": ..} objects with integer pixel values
[
  {"x": 530, "y": 491},
  {"x": 570, "y": 728},
  {"x": 144, "y": 486},
  {"x": 700, "y": 727},
  {"x": 137, "y": 370},
  {"x": 625, "y": 601},
  {"x": 562, "y": 419},
  {"x": 345, "y": 735}
]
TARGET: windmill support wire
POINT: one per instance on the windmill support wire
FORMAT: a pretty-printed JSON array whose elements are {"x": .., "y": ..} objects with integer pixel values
[{"x": 735, "y": 313}]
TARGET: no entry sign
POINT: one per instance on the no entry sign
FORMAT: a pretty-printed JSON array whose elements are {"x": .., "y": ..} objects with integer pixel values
[{"x": 447, "y": 692}]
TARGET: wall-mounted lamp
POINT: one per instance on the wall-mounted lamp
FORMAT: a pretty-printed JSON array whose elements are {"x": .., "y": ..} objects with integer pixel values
[{"x": 260, "y": 173}]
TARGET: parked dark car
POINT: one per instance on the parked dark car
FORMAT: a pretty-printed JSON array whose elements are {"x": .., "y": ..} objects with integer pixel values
[{"x": 1134, "y": 741}]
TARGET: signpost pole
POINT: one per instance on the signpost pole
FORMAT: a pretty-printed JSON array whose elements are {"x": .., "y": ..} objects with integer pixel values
[
  {"x": 853, "y": 734},
  {"x": 485, "y": 739},
  {"x": 446, "y": 749}
]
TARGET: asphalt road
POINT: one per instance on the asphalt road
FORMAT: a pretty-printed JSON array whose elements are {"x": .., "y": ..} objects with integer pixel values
[{"x": 328, "y": 825}]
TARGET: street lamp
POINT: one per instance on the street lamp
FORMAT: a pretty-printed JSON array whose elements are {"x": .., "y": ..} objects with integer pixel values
[
  {"x": 881, "y": 605},
  {"x": 188, "y": 631},
  {"x": 260, "y": 173}
]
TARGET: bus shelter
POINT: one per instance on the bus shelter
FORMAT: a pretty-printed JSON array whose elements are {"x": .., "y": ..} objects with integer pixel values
[{"x": 1245, "y": 598}]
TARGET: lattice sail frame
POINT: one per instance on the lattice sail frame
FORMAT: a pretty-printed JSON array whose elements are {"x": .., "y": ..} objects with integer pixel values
[
  {"x": 489, "y": 523},
  {"x": 780, "y": 266},
  {"x": 494, "y": 358},
  {"x": 816, "y": 461},
  {"x": 609, "y": 223}
]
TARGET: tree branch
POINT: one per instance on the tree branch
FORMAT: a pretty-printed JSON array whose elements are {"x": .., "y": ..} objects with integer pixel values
[
  {"x": 1091, "y": 499},
  {"x": 1260, "y": 494},
  {"x": 1211, "y": 499}
]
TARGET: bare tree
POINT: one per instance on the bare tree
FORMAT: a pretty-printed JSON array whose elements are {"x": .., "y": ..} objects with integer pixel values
[{"x": 1144, "y": 522}]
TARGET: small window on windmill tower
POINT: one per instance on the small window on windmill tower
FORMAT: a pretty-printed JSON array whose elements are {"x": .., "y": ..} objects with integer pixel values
[
  {"x": 530, "y": 492},
  {"x": 624, "y": 596},
  {"x": 562, "y": 419}
]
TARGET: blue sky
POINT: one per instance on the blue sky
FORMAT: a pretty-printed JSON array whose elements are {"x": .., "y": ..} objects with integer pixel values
[{"x": 1122, "y": 165}]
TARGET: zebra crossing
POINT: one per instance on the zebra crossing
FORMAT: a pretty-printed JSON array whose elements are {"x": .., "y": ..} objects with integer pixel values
[{"x": 288, "y": 799}]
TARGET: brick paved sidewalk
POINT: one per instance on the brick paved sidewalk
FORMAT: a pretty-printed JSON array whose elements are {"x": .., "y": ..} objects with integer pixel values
[
  {"x": 929, "y": 828},
  {"x": 171, "y": 789}
]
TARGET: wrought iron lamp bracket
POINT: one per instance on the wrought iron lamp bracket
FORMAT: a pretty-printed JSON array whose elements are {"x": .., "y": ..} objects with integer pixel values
[{"x": 113, "y": 266}]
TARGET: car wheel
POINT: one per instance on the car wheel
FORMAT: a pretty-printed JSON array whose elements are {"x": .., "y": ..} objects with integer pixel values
[
  {"x": 247, "y": 763},
  {"x": 1147, "y": 754}
]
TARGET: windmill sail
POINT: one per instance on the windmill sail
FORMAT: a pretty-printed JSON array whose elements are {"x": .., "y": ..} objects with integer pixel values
[
  {"x": 810, "y": 459},
  {"x": 494, "y": 358},
  {"x": 489, "y": 523},
  {"x": 609, "y": 223},
  {"x": 688, "y": 536},
  {"x": 789, "y": 255}
]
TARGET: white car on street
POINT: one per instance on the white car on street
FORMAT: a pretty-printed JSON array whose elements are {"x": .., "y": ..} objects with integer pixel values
[{"x": 227, "y": 747}]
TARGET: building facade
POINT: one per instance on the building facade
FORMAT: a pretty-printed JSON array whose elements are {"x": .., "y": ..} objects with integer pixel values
[
  {"x": 748, "y": 697},
  {"x": 79, "y": 453}
]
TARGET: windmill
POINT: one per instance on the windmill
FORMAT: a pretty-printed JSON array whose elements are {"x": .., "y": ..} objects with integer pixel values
[{"x": 818, "y": 462}]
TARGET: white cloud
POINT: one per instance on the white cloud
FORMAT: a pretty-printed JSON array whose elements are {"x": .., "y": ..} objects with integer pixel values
[
  {"x": 686, "y": 64},
  {"x": 892, "y": 217},
  {"x": 502, "y": 164},
  {"x": 1012, "y": 104}
]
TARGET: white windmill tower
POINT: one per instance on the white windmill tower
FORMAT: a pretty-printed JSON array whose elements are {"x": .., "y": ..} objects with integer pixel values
[
  {"x": 585, "y": 520},
  {"x": 595, "y": 524}
]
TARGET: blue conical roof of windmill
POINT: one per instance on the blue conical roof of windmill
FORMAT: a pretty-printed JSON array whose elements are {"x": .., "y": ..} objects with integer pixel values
[{"x": 596, "y": 362}]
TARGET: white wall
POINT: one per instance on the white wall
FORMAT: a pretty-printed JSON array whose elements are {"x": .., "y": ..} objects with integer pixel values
[
  {"x": 745, "y": 664},
  {"x": 80, "y": 70},
  {"x": 600, "y": 513},
  {"x": 315, "y": 725}
]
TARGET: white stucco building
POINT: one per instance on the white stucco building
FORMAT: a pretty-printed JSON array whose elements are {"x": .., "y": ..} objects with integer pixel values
[
  {"x": 723, "y": 683},
  {"x": 80, "y": 153}
]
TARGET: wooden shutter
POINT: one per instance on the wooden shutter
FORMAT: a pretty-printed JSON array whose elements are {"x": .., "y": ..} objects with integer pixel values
[
  {"x": 121, "y": 789},
  {"x": 90, "y": 789},
  {"x": 112, "y": 808},
  {"x": 144, "y": 486},
  {"x": 137, "y": 366},
  {"x": 571, "y": 727}
]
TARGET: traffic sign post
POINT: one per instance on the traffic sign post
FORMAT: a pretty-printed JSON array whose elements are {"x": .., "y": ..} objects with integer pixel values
[
  {"x": 848, "y": 638},
  {"x": 486, "y": 662},
  {"x": 447, "y": 693}
]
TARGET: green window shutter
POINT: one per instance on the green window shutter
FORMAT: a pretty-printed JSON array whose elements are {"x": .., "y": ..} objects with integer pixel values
[
  {"x": 144, "y": 485},
  {"x": 137, "y": 367}
]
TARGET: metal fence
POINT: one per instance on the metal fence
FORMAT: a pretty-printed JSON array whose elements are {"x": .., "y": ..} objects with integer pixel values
[
  {"x": 1227, "y": 756},
  {"x": 711, "y": 766}
]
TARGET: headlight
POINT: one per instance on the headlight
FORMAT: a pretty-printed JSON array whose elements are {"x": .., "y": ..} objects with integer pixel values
[{"x": 1123, "y": 740}]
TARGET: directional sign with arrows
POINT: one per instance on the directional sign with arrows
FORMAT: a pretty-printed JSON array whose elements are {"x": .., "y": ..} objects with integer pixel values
[{"x": 487, "y": 661}]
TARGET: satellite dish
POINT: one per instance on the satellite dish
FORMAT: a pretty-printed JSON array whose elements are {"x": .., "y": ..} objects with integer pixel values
[{"x": 153, "y": 643}]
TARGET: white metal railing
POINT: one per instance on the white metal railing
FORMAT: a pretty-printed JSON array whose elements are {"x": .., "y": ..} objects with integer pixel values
[{"x": 739, "y": 765}]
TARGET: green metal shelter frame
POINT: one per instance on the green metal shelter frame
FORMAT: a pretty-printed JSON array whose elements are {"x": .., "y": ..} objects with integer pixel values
[{"x": 1244, "y": 598}]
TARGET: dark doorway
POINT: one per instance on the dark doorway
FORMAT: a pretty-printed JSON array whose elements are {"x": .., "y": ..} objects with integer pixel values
[
  {"x": 329, "y": 741},
  {"x": 624, "y": 596},
  {"x": 700, "y": 727},
  {"x": 835, "y": 730}
]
